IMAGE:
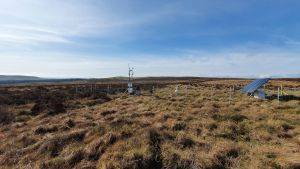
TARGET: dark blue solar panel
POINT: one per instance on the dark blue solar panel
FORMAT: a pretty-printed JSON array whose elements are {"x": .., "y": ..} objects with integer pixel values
[{"x": 256, "y": 84}]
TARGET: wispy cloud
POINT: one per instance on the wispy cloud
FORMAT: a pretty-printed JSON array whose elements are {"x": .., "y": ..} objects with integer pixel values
[
  {"x": 29, "y": 35},
  {"x": 75, "y": 38},
  {"x": 221, "y": 64},
  {"x": 31, "y": 21}
]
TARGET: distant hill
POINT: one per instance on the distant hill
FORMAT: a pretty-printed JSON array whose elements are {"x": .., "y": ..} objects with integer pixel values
[
  {"x": 18, "y": 78},
  {"x": 286, "y": 76}
]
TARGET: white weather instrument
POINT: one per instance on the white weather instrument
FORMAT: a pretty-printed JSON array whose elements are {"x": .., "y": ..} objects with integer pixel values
[{"x": 130, "y": 78}]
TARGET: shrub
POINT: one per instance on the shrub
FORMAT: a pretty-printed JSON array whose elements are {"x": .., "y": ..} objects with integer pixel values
[
  {"x": 6, "y": 117},
  {"x": 95, "y": 102},
  {"x": 225, "y": 157},
  {"x": 217, "y": 117},
  {"x": 179, "y": 126},
  {"x": 108, "y": 112},
  {"x": 50, "y": 103},
  {"x": 70, "y": 123},
  {"x": 237, "y": 118},
  {"x": 287, "y": 127},
  {"x": 154, "y": 140},
  {"x": 185, "y": 141},
  {"x": 24, "y": 112},
  {"x": 22, "y": 118},
  {"x": 44, "y": 130},
  {"x": 54, "y": 145},
  {"x": 26, "y": 140},
  {"x": 38, "y": 108},
  {"x": 234, "y": 117},
  {"x": 236, "y": 132},
  {"x": 56, "y": 108},
  {"x": 212, "y": 126},
  {"x": 101, "y": 96},
  {"x": 75, "y": 157}
]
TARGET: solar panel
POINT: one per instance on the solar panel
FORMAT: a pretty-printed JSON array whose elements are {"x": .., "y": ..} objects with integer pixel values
[{"x": 256, "y": 84}]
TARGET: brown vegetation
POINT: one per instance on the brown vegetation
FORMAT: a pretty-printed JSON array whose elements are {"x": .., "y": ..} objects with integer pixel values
[{"x": 199, "y": 127}]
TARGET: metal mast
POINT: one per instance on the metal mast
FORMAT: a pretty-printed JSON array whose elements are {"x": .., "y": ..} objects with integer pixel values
[
  {"x": 130, "y": 74},
  {"x": 130, "y": 78}
]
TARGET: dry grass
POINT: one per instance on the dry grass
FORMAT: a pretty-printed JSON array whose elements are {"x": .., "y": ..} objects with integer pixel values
[{"x": 195, "y": 129}]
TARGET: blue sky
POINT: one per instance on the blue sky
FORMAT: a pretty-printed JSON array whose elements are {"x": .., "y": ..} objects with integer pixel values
[{"x": 99, "y": 38}]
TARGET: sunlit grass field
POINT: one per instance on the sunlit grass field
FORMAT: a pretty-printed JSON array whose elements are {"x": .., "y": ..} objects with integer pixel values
[{"x": 203, "y": 125}]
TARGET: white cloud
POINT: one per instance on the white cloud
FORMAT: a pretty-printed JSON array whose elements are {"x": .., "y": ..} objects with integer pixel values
[
  {"x": 34, "y": 21},
  {"x": 28, "y": 35},
  {"x": 213, "y": 64}
]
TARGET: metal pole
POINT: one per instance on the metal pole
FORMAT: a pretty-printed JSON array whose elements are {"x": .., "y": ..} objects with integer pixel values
[{"x": 176, "y": 90}]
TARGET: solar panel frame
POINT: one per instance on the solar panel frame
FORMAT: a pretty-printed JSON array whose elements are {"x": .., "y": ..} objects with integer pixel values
[{"x": 253, "y": 86}]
